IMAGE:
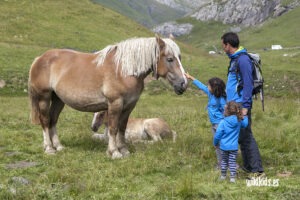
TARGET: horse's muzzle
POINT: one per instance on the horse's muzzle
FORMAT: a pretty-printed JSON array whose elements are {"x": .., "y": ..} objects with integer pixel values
[
  {"x": 94, "y": 128},
  {"x": 179, "y": 89}
]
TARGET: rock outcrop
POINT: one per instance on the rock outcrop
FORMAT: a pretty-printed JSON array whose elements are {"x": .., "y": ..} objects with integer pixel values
[
  {"x": 243, "y": 12},
  {"x": 174, "y": 29},
  {"x": 240, "y": 13}
]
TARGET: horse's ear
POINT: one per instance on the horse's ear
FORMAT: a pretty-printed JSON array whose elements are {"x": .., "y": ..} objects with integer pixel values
[
  {"x": 160, "y": 42},
  {"x": 171, "y": 36}
]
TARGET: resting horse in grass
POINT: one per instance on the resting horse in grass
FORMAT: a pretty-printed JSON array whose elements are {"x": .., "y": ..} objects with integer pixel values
[
  {"x": 137, "y": 129},
  {"x": 111, "y": 79}
]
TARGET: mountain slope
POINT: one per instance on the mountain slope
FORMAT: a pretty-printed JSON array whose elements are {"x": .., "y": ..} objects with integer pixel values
[
  {"x": 29, "y": 27},
  {"x": 283, "y": 30},
  {"x": 63, "y": 24},
  {"x": 146, "y": 12}
]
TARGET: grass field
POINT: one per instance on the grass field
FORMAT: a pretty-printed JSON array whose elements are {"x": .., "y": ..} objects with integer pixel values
[{"x": 181, "y": 170}]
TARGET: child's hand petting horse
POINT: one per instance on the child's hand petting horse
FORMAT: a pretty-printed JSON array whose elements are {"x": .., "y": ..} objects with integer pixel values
[{"x": 189, "y": 76}]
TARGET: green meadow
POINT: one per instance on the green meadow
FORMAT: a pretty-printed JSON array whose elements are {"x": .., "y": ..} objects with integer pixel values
[{"x": 181, "y": 170}]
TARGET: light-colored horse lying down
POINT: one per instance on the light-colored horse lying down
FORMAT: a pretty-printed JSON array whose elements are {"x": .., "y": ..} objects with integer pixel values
[{"x": 137, "y": 130}]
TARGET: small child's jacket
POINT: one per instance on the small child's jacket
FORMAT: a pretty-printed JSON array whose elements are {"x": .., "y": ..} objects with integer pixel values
[
  {"x": 215, "y": 106},
  {"x": 227, "y": 133}
]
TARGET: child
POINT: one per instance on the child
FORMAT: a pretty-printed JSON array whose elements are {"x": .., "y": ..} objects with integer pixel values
[
  {"x": 215, "y": 91},
  {"x": 226, "y": 138}
]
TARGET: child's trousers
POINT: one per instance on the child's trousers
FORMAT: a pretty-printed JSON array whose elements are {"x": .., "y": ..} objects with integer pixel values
[{"x": 229, "y": 160}]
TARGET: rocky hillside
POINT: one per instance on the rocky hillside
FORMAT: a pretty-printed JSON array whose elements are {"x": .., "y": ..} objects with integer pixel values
[
  {"x": 236, "y": 12},
  {"x": 187, "y": 6},
  {"x": 160, "y": 15},
  {"x": 243, "y": 12}
]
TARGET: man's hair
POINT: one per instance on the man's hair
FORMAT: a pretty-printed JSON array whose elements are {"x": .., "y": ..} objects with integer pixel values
[
  {"x": 218, "y": 87},
  {"x": 231, "y": 38}
]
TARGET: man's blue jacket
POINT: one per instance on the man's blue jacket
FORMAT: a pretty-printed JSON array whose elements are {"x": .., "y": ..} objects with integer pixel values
[{"x": 244, "y": 77}]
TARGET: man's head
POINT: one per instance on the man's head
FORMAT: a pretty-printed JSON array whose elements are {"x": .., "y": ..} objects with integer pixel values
[{"x": 230, "y": 42}]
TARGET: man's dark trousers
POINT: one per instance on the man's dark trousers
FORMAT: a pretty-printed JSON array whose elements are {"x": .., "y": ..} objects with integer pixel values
[{"x": 249, "y": 149}]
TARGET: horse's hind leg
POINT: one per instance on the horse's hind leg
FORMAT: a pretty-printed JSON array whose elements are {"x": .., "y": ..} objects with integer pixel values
[
  {"x": 56, "y": 107},
  {"x": 44, "y": 107},
  {"x": 152, "y": 131}
]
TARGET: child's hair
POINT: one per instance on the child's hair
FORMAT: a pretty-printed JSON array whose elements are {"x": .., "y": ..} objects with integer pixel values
[
  {"x": 233, "y": 108},
  {"x": 217, "y": 86}
]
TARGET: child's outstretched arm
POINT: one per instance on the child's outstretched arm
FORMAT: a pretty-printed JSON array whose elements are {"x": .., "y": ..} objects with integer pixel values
[
  {"x": 189, "y": 76},
  {"x": 197, "y": 83}
]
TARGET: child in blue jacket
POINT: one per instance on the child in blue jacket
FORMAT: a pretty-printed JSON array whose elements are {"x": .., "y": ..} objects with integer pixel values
[
  {"x": 215, "y": 91},
  {"x": 226, "y": 137}
]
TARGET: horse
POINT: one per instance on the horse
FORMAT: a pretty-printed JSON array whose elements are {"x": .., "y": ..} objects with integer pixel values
[
  {"x": 111, "y": 79},
  {"x": 137, "y": 129}
]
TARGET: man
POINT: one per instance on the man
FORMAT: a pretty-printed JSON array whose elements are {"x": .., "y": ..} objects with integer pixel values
[{"x": 239, "y": 89}]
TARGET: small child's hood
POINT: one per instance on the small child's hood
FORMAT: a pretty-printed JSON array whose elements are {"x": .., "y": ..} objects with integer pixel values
[{"x": 232, "y": 121}]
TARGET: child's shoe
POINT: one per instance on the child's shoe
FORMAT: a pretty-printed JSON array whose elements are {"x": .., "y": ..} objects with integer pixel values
[
  {"x": 222, "y": 178},
  {"x": 232, "y": 180}
]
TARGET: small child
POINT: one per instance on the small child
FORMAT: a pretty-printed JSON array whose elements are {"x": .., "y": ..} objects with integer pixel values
[
  {"x": 226, "y": 138},
  {"x": 215, "y": 91}
]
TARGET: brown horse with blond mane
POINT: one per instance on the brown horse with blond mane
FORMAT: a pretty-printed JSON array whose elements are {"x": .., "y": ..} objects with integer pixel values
[{"x": 111, "y": 79}]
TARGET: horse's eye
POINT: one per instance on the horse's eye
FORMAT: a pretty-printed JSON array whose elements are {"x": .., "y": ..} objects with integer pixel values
[{"x": 170, "y": 59}]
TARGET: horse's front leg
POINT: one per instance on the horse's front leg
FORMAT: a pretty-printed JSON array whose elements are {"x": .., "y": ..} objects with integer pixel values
[
  {"x": 121, "y": 142},
  {"x": 113, "y": 150},
  {"x": 114, "y": 112}
]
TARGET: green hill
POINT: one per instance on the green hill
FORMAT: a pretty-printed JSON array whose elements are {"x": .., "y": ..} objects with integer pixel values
[
  {"x": 280, "y": 68},
  {"x": 284, "y": 30},
  {"x": 181, "y": 170},
  {"x": 28, "y": 28},
  {"x": 148, "y": 13}
]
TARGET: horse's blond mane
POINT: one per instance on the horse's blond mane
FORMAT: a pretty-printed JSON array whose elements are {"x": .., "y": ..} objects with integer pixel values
[{"x": 136, "y": 56}]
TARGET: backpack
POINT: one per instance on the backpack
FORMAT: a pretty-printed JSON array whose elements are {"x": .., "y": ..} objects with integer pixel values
[{"x": 258, "y": 80}]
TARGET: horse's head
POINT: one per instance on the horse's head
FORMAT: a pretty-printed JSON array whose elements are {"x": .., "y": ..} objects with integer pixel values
[
  {"x": 98, "y": 120},
  {"x": 169, "y": 65}
]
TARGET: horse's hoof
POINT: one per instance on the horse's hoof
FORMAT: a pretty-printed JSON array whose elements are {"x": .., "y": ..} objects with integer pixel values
[
  {"x": 60, "y": 148},
  {"x": 50, "y": 151},
  {"x": 124, "y": 151},
  {"x": 116, "y": 155},
  {"x": 96, "y": 136}
]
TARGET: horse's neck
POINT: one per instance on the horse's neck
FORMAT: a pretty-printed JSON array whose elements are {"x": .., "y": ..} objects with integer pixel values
[{"x": 143, "y": 76}]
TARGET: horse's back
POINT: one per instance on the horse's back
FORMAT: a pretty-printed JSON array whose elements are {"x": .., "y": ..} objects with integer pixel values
[
  {"x": 73, "y": 76},
  {"x": 52, "y": 64}
]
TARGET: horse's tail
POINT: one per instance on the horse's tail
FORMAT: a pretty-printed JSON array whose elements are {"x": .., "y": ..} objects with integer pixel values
[
  {"x": 34, "y": 101},
  {"x": 34, "y": 104},
  {"x": 174, "y": 136}
]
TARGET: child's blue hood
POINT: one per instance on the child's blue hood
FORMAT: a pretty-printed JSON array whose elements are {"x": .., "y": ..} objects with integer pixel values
[{"x": 231, "y": 121}]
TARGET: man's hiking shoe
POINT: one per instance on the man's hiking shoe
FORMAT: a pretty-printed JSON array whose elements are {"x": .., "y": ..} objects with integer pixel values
[
  {"x": 244, "y": 169},
  {"x": 256, "y": 175}
]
